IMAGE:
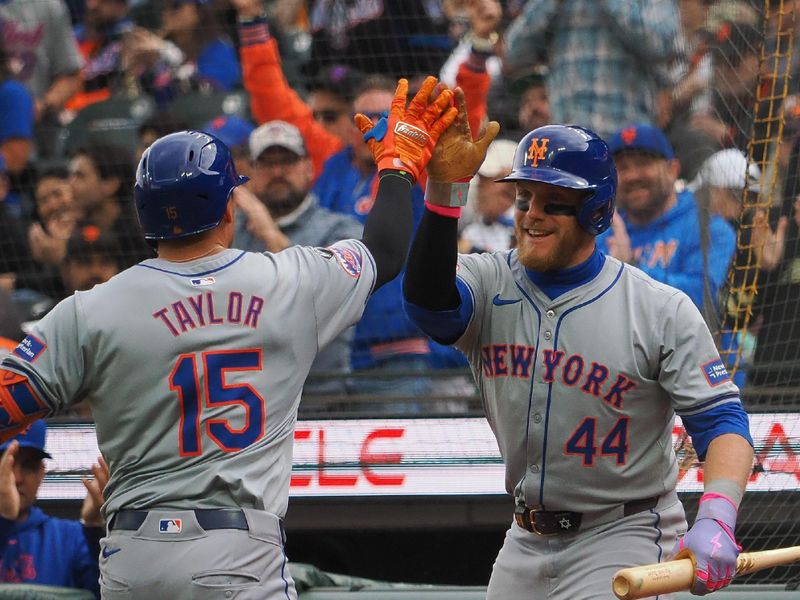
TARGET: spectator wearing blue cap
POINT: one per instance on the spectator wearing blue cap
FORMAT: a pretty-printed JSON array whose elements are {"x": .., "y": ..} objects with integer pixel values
[
  {"x": 235, "y": 134},
  {"x": 34, "y": 547},
  {"x": 660, "y": 230}
]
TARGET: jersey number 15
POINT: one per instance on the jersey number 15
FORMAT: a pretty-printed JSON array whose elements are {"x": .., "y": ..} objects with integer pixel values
[{"x": 185, "y": 380}]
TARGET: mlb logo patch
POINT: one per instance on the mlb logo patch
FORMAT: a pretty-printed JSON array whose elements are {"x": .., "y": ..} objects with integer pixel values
[
  {"x": 203, "y": 281},
  {"x": 349, "y": 260},
  {"x": 715, "y": 372},
  {"x": 30, "y": 348},
  {"x": 170, "y": 525}
]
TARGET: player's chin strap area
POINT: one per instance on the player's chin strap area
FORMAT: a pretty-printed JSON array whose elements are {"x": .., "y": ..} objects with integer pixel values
[
  {"x": 555, "y": 522},
  {"x": 20, "y": 405}
]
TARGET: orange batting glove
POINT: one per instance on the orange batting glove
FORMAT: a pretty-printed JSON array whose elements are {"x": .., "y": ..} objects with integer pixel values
[{"x": 405, "y": 140}]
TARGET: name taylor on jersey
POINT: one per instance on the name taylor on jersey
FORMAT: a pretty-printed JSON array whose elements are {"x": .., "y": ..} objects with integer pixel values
[
  {"x": 592, "y": 378},
  {"x": 208, "y": 308}
]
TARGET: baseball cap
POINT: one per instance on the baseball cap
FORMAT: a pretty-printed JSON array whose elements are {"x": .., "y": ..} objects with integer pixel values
[
  {"x": 276, "y": 133},
  {"x": 33, "y": 437},
  {"x": 641, "y": 136},
  {"x": 90, "y": 240},
  {"x": 499, "y": 159},
  {"x": 728, "y": 169},
  {"x": 342, "y": 80},
  {"x": 232, "y": 130}
]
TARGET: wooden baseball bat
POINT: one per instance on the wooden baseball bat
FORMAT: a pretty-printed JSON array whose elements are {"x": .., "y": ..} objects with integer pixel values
[{"x": 678, "y": 575}]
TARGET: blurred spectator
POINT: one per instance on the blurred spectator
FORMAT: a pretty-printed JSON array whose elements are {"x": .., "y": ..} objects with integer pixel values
[
  {"x": 657, "y": 229},
  {"x": 696, "y": 79},
  {"x": 493, "y": 229},
  {"x": 520, "y": 101},
  {"x": 100, "y": 38},
  {"x": 397, "y": 39},
  {"x": 607, "y": 60},
  {"x": 474, "y": 63},
  {"x": 16, "y": 118},
  {"x": 55, "y": 219},
  {"x": 101, "y": 177},
  {"x": 91, "y": 259},
  {"x": 330, "y": 98},
  {"x": 235, "y": 134},
  {"x": 190, "y": 53},
  {"x": 154, "y": 127},
  {"x": 273, "y": 99},
  {"x": 44, "y": 54},
  {"x": 34, "y": 547},
  {"x": 777, "y": 355},
  {"x": 15, "y": 258},
  {"x": 288, "y": 214},
  {"x": 726, "y": 111},
  {"x": 726, "y": 179}
]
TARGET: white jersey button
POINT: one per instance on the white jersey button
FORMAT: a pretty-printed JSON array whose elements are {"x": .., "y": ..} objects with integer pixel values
[
  {"x": 551, "y": 313},
  {"x": 547, "y": 335},
  {"x": 537, "y": 418},
  {"x": 534, "y": 468}
]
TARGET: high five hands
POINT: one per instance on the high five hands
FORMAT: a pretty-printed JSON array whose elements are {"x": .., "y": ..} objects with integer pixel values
[{"x": 405, "y": 140}]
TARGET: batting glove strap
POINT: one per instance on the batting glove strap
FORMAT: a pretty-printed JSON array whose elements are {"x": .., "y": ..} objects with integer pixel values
[{"x": 712, "y": 544}]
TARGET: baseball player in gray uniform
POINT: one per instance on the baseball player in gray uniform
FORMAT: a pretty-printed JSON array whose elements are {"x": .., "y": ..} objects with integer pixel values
[
  {"x": 194, "y": 363},
  {"x": 582, "y": 363}
]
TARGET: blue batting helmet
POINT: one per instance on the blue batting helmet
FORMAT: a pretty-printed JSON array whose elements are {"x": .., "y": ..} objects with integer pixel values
[
  {"x": 183, "y": 184},
  {"x": 572, "y": 157}
]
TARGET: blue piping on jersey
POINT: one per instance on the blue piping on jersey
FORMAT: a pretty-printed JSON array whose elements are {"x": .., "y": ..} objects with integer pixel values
[
  {"x": 700, "y": 407},
  {"x": 657, "y": 526},
  {"x": 550, "y": 385},
  {"x": 22, "y": 369},
  {"x": 533, "y": 370},
  {"x": 225, "y": 266},
  {"x": 283, "y": 574}
]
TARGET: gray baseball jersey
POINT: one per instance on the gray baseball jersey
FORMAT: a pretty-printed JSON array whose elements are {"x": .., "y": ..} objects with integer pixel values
[
  {"x": 580, "y": 391},
  {"x": 194, "y": 370}
]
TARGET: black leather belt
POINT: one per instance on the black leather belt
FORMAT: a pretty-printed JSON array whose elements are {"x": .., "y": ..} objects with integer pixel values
[
  {"x": 554, "y": 522},
  {"x": 214, "y": 518}
]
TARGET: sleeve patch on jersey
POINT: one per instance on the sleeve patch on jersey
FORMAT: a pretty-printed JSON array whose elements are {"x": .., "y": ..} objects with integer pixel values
[
  {"x": 30, "y": 348},
  {"x": 715, "y": 372},
  {"x": 349, "y": 260}
]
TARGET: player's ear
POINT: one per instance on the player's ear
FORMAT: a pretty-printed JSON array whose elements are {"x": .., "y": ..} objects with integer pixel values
[{"x": 230, "y": 213}]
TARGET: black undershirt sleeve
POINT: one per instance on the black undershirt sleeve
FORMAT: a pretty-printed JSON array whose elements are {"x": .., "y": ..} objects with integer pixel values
[
  {"x": 389, "y": 224},
  {"x": 430, "y": 280}
]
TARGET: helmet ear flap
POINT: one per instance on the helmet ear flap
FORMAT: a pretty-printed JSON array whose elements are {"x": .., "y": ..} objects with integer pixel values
[{"x": 596, "y": 213}]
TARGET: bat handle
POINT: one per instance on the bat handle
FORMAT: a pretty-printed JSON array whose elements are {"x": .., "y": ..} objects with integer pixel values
[{"x": 652, "y": 580}]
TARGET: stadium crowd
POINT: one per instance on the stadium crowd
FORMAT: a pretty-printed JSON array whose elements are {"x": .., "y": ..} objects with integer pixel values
[{"x": 87, "y": 85}]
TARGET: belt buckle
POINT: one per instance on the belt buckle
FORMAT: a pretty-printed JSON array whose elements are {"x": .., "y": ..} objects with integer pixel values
[{"x": 535, "y": 527}]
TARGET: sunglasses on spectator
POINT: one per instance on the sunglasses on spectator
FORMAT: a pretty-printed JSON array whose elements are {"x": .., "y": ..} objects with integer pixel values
[{"x": 327, "y": 115}]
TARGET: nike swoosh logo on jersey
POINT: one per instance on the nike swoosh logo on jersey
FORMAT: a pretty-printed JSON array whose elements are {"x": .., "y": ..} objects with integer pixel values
[
  {"x": 110, "y": 551},
  {"x": 498, "y": 301}
]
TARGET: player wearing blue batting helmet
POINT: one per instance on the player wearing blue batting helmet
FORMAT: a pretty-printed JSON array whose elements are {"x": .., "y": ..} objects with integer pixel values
[
  {"x": 572, "y": 157},
  {"x": 183, "y": 184}
]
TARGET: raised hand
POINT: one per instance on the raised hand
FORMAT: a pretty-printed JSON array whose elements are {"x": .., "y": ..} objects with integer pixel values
[
  {"x": 457, "y": 156},
  {"x": 9, "y": 495},
  {"x": 90, "y": 511},
  {"x": 405, "y": 140}
]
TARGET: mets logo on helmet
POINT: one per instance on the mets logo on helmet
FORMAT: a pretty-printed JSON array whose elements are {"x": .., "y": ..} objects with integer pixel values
[{"x": 537, "y": 150}]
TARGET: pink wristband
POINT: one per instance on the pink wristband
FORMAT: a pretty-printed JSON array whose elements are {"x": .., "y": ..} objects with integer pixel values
[{"x": 445, "y": 211}]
